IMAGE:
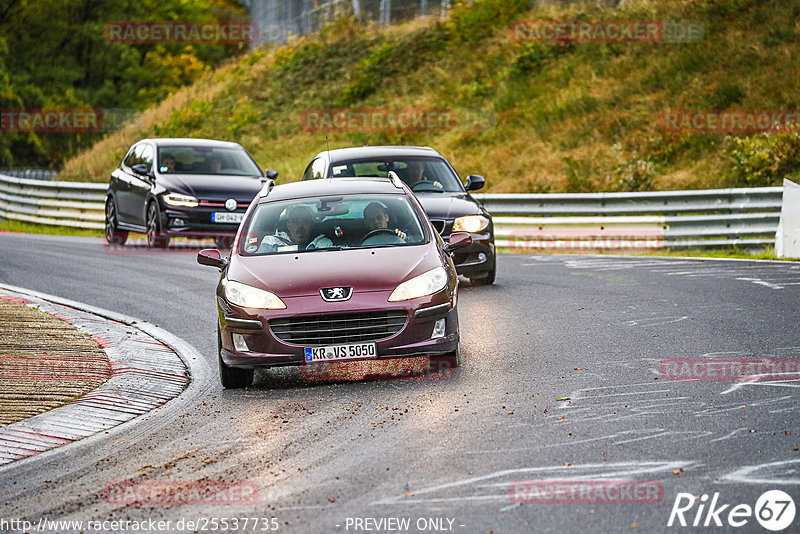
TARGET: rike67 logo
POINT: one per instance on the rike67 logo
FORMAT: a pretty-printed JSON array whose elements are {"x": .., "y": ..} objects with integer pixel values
[{"x": 774, "y": 510}]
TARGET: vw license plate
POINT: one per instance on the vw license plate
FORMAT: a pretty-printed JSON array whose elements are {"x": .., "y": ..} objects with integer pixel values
[
  {"x": 340, "y": 352},
  {"x": 226, "y": 217}
]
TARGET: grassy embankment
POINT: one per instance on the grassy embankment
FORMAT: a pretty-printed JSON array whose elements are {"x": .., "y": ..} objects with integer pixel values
[
  {"x": 546, "y": 117},
  {"x": 534, "y": 117}
]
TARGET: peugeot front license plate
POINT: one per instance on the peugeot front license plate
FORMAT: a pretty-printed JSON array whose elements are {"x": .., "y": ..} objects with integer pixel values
[
  {"x": 340, "y": 352},
  {"x": 226, "y": 217}
]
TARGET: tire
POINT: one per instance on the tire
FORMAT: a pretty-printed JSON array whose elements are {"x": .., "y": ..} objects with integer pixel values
[
  {"x": 113, "y": 236},
  {"x": 154, "y": 237},
  {"x": 232, "y": 377},
  {"x": 224, "y": 242},
  {"x": 454, "y": 357},
  {"x": 489, "y": 278}
]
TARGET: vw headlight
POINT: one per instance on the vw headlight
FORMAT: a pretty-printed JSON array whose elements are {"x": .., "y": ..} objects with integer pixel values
[
  {"x": 470, "y": 223},
  {"x": 251, "y": 297},
  {"x": 427, "y": 283},
  {"x": 176, "y": 199}
]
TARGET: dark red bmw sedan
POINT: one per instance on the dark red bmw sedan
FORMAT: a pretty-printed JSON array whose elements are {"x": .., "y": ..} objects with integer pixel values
[{"x": 334, "y": 270}]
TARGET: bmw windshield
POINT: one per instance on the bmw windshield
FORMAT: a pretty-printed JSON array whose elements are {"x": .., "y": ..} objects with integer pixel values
[
  {"x": 421, "y": 174},
  {"x": 331, "y": 223}
]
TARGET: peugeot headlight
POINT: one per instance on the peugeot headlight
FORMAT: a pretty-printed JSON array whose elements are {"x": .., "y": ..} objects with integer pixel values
[
  {"x": 251, "y": 297},
  {"x": 176, "y": 199},
  {"x": 427, "y": 283},
  {"x": 470, "y": 223}
]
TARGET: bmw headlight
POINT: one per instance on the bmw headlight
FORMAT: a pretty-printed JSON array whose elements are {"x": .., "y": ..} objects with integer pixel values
[
  {"x": 427, "y": 283},
  {"x": 251, "y": 297},
  {"x": 470, "y": 223},
  {"x": 184, "y": 201}
]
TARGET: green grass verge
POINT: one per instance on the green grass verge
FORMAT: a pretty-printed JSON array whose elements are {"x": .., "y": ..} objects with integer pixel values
[
  {"x": 733, "y": 252},
  {"x": 7, "y": 225}
]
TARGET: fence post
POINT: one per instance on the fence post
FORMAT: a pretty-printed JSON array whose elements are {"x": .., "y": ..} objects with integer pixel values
[
  {"x": 787, "y": 238},
  {"x": 386, "y": 12}
]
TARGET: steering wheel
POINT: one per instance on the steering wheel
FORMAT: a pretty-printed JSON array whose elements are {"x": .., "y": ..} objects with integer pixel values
[
  {"x": 425, "y": 185},
  {"x": 380, "y": 231}
]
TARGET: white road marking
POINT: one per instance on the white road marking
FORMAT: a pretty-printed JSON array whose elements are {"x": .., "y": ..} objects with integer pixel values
[
  {"x": 493, "y": 482},
  {"x": 750, "y": 474}
]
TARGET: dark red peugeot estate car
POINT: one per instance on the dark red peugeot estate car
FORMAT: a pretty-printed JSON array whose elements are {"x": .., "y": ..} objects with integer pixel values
[{"x": 333, "y": 270}]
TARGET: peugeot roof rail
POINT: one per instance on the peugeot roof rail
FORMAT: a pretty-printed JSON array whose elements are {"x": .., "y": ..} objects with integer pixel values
[
  {"x": 395, "y": 180},
  {"x": 269, "y": 183}
]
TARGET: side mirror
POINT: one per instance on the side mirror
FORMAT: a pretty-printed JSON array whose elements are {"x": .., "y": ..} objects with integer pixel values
[
  {"x": 458, "y": 240},
  {"x": 140, "y": 168},
  {"x": 475, "y": 182},
  {"x": 270, "y": 174},
  {"x": 210, "y": 257}
]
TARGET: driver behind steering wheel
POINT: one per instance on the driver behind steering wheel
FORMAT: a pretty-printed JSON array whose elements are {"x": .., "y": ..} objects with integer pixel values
[
  {"x": 376, "y": 216},
  {"x": 299, "y": 223},
  {"x": 415, "y": 173}
]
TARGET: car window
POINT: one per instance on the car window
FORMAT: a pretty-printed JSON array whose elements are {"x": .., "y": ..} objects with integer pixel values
[
  {"x": 326, "y": 223},
  {"x": 129, "y": 159},
  {"x": 315, "y": 170},
  {"x": 422, "y": 174},
  {"x": 145, "y": 156},
  {"x": 206, "y": 160},
  {"x": 141, "y": 153}
]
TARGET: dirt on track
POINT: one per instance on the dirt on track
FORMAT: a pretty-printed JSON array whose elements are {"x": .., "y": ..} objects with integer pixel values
[{"x": 45, "y": 362}]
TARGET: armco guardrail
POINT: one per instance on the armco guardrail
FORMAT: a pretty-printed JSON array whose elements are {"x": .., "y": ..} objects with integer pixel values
[
  {"x": 710, "y": 218},
  {"x": 33, "y": 174},
  {"x": 572, "y": 221},
  {"x": 75, "y": 204}
]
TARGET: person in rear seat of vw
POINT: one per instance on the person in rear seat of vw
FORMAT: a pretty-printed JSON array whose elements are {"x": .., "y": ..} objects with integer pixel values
[
  {"x": 299, "y": 223},
  {"x": 377, "y": 216}
]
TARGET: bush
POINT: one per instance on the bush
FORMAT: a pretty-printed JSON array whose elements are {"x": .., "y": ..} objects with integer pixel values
[
  {"x": 474, "y": 20},
  {"x": 764, "y": 159},
  {"x": 634, "y": 173}
]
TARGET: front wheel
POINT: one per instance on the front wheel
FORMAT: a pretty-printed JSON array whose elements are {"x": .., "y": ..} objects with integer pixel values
[
  {"x": 445, "y": 362},
  {"x": 154, "y": 237},
  {"x": 232, "y": 377},
  {"x": 113, "y": 236}
]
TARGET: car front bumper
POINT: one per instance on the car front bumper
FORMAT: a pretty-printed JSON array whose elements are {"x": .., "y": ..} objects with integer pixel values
[
  {"x": 266, "y": 350},
  {"x": 478, "y": 258},
  {"x": 196, "y": 222}
]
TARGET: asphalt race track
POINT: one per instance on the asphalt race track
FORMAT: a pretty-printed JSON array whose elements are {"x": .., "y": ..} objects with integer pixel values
[{"x": 328, "y": 457}]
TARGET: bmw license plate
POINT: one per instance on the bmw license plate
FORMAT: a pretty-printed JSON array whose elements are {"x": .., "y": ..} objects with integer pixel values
[
  {"x": 226, "y": 217},
  {"x": 340, "y": 352}
]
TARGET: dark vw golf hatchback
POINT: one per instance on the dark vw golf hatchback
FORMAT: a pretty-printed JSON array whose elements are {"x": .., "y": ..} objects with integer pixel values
[
  {"x": 334, "y": 270},
  {"x": 181, "y": 187},
  {"x": 433, "y": 180}
]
